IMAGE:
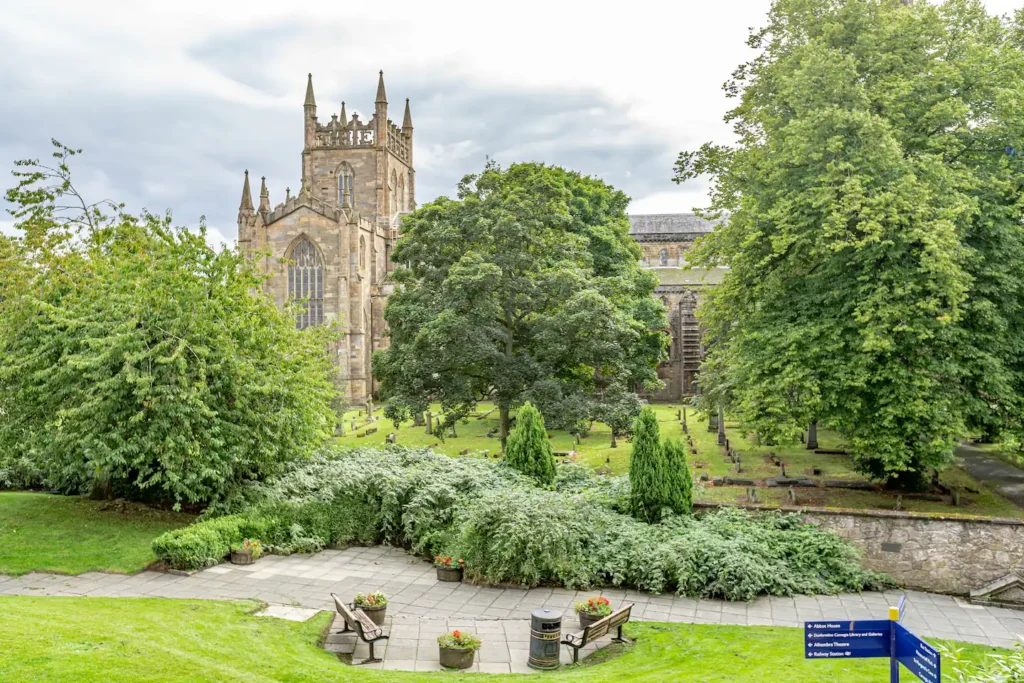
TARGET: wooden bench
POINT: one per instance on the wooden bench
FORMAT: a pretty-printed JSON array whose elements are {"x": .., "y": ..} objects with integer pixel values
[
  {"x": 598, "y": 629},
  {"x": 356, "y": 620}
]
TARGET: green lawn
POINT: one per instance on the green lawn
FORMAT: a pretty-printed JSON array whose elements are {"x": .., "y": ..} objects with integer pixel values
[
  {"x": 108, "y": 640},
  {"x": 596, "y": 452},
  {"x": 71, "y": 535}
]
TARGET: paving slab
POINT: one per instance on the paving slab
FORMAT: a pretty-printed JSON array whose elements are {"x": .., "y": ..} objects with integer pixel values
[{"x": 421, "y": 608}]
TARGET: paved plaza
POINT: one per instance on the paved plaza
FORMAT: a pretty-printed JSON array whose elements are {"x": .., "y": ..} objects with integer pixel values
[{"x": 421, "y": 608}]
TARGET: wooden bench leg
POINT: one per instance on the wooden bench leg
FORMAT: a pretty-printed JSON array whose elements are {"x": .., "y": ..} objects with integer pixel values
[{"x": 621, "y": 638}]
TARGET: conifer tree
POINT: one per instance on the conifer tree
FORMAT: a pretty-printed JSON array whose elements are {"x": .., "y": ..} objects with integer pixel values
[
  {"x": 529, "y": 450},
  {"x": 647, "y": 481},
  {"x": 680, "y": 482}
]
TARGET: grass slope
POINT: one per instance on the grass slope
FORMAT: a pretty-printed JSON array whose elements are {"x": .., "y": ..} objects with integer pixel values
[
  {"x": 72, "y": 535},
  {"x": 111, "y": 640},
  {"x": 596, "y": 452}
]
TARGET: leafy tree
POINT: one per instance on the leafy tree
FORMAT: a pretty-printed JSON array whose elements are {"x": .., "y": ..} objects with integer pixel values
[
  {"x": 529, "y": 450},
  {"x": 527, "y": 286},
  {"x": 618, "y": 408},
  {"x": 137, "y": 360},
  {"x": 677, "y": 474},
  {"x": 648, "y": 476},
  {"x": 874, "y": 229}
]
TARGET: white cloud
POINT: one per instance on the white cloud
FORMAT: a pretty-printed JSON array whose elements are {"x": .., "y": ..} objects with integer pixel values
[{"x": 173, "y": 100}]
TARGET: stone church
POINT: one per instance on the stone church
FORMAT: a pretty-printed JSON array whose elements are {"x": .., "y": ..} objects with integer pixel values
[
  {"x": 330, "y": 243},
  {"x": 664, "y": 239}
]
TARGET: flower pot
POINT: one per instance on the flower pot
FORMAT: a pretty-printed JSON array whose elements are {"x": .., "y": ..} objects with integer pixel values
[
  {"x": 451, "y": 574},
  {"x": 456, "y": 657},
  {"x": 242, "y": 557},
  {"x": 588, "y": 619},
  {"x": 376, "y": 614}
]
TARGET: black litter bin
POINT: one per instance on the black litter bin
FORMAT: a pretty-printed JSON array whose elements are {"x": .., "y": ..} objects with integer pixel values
[{"x": 545, "y": 634}]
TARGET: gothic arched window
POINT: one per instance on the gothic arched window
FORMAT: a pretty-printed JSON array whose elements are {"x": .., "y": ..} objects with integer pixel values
[
  {"x": 306, "y": 283},
  {"x": 393, "y": 192},
  {"x": 664, "y": 257},
  {"x": 346, "y": 185}
]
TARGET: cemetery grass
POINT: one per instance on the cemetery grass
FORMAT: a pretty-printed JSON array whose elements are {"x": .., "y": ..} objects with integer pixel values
[
  {"x": 110, "y": 640},
  {"x": 72, "y": 535},
  {"x": 595, "y": 451}
]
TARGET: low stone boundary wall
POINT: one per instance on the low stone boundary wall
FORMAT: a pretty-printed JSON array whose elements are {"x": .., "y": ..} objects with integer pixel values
[{"x": 940, "y": 554}]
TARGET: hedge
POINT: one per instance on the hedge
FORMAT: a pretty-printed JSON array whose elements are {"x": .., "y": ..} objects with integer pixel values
[{"x": 509, "y": 530}]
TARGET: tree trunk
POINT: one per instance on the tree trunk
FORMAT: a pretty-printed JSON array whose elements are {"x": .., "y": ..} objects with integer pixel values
[
  {"x": 614, "y": 444},
  {"x": 503, "y": 413},
  {"x": 430, "y": 429}
]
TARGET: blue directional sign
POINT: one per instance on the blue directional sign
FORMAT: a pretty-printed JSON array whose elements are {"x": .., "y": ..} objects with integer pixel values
[
  {"x": 847, "y": 639},
  {"x": 918, "y": 656}
]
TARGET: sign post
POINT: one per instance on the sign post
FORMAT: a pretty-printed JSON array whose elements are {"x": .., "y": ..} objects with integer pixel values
[{"x": 881, "y": 638}]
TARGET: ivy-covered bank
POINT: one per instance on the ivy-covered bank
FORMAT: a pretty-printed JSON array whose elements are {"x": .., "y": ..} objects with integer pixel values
[{"x": 508, "y": 529}]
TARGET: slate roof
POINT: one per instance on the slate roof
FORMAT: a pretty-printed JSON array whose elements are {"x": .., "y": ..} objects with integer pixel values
[{"x": 649, "y": 224}]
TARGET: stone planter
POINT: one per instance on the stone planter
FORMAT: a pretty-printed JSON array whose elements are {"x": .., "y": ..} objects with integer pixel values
[
  {"x": 376, "y": 614},
  {"x": 456, "y": 657},
  {"x": 450, "y": 574},
  {"x": 242, "y": 557},
  {"x": 588, "y": 619}
]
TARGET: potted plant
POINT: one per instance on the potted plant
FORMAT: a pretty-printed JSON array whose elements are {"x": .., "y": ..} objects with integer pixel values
[
  {"x": 246, "y": 552},
  {"x": 457, "y": 649},
  {"x": 593, "y": 609},
  {"x": 375, "y": 605},
  {"x": 449, "y": 568}
]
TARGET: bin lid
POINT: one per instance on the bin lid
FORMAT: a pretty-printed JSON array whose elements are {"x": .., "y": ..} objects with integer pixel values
[{"x": 546, "y": 614}]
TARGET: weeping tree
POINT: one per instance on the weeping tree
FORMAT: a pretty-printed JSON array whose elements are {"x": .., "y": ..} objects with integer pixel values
[
  {"x": 528, "y": 449},
  {"x": 137, "y": 361}
]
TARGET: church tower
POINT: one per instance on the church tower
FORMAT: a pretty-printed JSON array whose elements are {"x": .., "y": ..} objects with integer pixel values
[{"x": 330, "y": 244}]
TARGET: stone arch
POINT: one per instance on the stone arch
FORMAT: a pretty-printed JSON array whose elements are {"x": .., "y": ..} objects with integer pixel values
[
  {"x": 306, "y": 280},
  {"x": 393, "y": 192},
  {"x": 346, "y": 184}
]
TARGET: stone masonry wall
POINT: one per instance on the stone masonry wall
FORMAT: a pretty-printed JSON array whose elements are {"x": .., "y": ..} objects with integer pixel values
[{"x": 930, "y": 553}]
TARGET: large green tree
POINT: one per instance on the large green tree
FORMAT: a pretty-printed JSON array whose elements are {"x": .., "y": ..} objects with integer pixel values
[
  {"x": 525, "y": 287},
  {"x": 137, "y": 360},
  {"x": 873, "y": 232}
]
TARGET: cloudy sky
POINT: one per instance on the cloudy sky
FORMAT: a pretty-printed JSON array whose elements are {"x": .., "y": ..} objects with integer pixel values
[{"x": 171, "y": 101}]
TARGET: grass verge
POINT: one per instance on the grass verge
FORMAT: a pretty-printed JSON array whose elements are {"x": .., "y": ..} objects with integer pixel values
[
  {"x": 72, "y": 535},
  {"x": 114, "y": 640}
]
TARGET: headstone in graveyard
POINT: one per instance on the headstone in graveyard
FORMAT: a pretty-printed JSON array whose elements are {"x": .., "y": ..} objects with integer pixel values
[{"x": 812, "y": 436}]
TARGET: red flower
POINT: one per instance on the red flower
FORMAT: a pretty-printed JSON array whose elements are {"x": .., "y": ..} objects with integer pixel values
[{"x": 456, "y": 634}]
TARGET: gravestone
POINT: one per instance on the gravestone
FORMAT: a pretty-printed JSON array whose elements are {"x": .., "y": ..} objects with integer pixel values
[
  {"x": 417, "y": 419},
  {"x": 390, "y": 438},
  {"x": 791, "y": 495},
  {"x": 752, "y": 495},
  {"x": 721, "y": 426},
  {"x": 812, "y": 436},
  {"x": 430, "y": 428}
]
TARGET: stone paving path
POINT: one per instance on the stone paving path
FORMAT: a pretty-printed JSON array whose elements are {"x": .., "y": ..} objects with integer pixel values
[
  {"x": 421, "y": 608},
  {"x": 993, "y": 472}
]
